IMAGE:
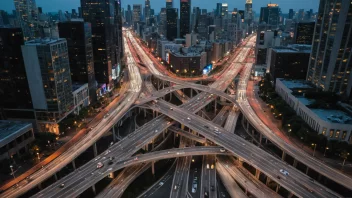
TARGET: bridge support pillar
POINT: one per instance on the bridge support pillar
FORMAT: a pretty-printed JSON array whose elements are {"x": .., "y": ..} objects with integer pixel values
[
  {"x": 283, "y": 156},
  {"x": 145, "y": 113},
  {"x": 215, "y": 104},
  {"x": 267, "y": 180},
  {"x": 113, "y": 133},
  {"x": 152, "y": 144},
  {"x": 182, "y": 126},
  {"x": 55, "y": 176},
  {"x": 153, "y": 168},
  {"x": 260, "y": 139},
  {"x": 277, "y": 188},
  {"x": 319, "y": 177},
  {"x": 295, "y": 163},
  {"x": 191, "y": 93},
  {"x": 307, "y": 170},
  {"x": 40, "y": 186},
  {"x": 74, "y": 164},
  {"x": 240, "y": 162},
  {"x": 95, "y": 149},
  {"x": 257, "y": 173},
  {"x": 94, "y": 190}
]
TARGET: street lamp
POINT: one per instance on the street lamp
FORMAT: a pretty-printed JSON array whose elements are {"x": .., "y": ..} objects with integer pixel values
[
  {"x": 326, "y": 148},
  {"x": 315, "y": 146},
  {"x": 344, "y": 159},
  {"x": 13, "y": 173}
]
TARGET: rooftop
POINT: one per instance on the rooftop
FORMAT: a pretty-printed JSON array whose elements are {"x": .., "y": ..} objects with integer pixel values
[
  {"x": 293, "y": 49},
  {"x": 76, "y": 86},
  {"x": 9, "y": 130},
  {"x": 295, "y": 84},
  {"x": 332, "y": 115},
  {"x": 45, "y": 41}
]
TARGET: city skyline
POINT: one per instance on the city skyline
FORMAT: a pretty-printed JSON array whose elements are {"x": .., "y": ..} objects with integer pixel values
[{"x": 55, "y": 5}]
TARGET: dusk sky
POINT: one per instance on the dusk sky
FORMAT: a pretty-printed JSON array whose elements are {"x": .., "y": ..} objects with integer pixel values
[{"x": 55, "y": 5}]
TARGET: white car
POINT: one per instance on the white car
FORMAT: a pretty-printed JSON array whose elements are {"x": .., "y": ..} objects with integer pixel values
[
  {"x": 284, "y": 172},
  {"x": 189, "y": 119},
  {"x": 100, "y": 165},
  {"x": 222, "y": 150}
]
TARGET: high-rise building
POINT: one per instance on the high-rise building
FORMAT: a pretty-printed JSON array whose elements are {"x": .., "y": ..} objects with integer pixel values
[
  {"x": 48, "y": 72},
  {"x": 218, "y": 9},
  {"x": 74, "y": 14},
  {"x": 147, "y": 11},
  {"x": 290, "y": 14},
  {"x": 79, "y": 42},
  {"x": 330, "y": 64},
  {"x": 27, "y": 16},
  {"x": 270, "y": 15},
  {"x": 101, "y": 14},
  {"x": 14, "y": 89},
  {"x": 204, "y": 22},
  {"x": 80, "y": 15},
  {"x": 4, "y": 19},
  {"x": 204, "y": 11},
  {"x": 300, "y": 15},
  {"x": 224, "y": 10},
  {"x": 137, "y": 13},
  {"x": 128, "y": 15},
  {"x": 304, "y": 32},
  {"x": 162, "y": 22},
  {"x": 195, "y": 19},
  {"x": 169, "y": 4},
  {"x": 248, "y": 16},
  {"x": 185, "y": 17},
  {"x": 171, "y": 23}
]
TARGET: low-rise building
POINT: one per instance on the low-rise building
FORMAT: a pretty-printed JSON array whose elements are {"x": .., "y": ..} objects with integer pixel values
[
  {"x": 190, "y": 60},
  {"x": 332, "y": 123},
  {"x": 14, "y": 138},
  {"x": 289, "y": 62},
  {"x": 80, "y": 94}
]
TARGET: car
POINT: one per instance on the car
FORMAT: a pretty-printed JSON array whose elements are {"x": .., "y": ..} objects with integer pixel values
[
  {"x": 175, "y": 188},
  {"x": 171, "y": 108},
  {"x": 212, "y": 166},
  {"x": 206, "y": 194},
  {"x": 161, "y": 183},
  {"x": 278, "y": 177},
  {"x": 62, "y": 185},
  {"x": 212, "y": 188},
  {"x": 284, "y": 172},
  {"x": 100, "y": 165},
  {"x": 189, "y": 119},
  {"x": 222, "y": 150},
  {"x": 156, "y": 131},
  {"x": 206, "y": 127},
  {"x": 110, "y": 162},
  {"x": 207, "y": 166},
  {"x": 194, "y": 190}
]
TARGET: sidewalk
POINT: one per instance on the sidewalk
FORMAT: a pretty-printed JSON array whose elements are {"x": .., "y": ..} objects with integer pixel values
[{"x": 263, "y": 111}]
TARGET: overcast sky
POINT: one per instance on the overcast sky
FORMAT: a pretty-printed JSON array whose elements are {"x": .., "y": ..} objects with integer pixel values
[{"x": 285, "y": 5}]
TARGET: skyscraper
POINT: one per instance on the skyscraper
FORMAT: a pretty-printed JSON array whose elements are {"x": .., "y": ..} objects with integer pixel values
[
  {"x": 171, "y": 23},
  {"x": 218, "y": 9},
  {"x": 27, "y": 16},
  {"x": 79, "y": 42},
  {"x": 270, "y": 15},
  {"x": 163, "y": 22},
  {"x": 101, "y": 14},
  {"x": 224, "y": 10},
  {"x": 185, "y": 17},
  {"x": 147, "y": 11},
  {"x": 248, "y": 16},
  {"x": 137, "y": 13},
  {"x": 169, "y": 4},
  {"x": 290, "y": 14},
  {"x": 129, "y": 15},
  {"x": 330, "y": 64},
  {"x": 14, "y": 89},
  {"x": 304, "y": 32},
  {"x": 48, "y": 72}
]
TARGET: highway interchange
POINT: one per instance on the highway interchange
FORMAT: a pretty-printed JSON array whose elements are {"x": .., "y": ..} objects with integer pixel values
[{"x": 87, "y": 175}]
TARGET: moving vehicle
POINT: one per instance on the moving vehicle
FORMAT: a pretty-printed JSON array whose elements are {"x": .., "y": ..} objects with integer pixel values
[
  {"x": 62, "y": 185},
  {"x": 212, "y": 166},
  {"x": 207, "y": 166},
  {"x": 284, "y": 172},
  {"x": 222, "y": 150},
  {"x": 100, "y": 165},
  {"x": 171, "y": 108}
]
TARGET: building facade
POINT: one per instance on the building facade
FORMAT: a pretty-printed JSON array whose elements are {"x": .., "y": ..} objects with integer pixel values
[
  {"x": 27, "y": 16},
  {"x": 289, "y": 62},
  {"x": 101, "y": 14},
  {"x": 48, "y": 72},
  {"x": 171, "y": 23},
  {"x": 330, "y": 64},
  {"x": 78, "y": 35},
  {"x": 304, "y": 32},
  {"x": 185, "y": 17}
]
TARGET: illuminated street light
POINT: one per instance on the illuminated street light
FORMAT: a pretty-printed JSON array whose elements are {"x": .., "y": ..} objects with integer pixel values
[
  {"x": 315, "y": 146},
  {"x": 326, "y": 148}
]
